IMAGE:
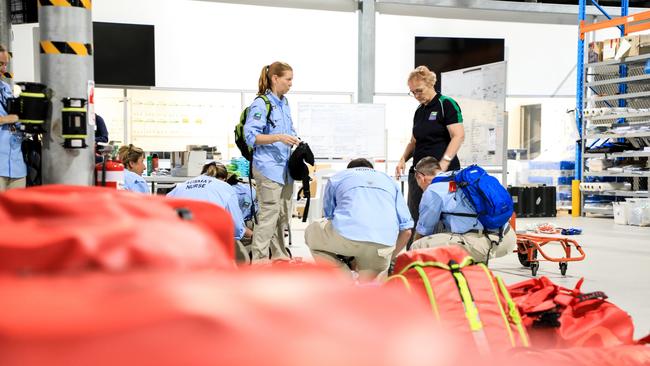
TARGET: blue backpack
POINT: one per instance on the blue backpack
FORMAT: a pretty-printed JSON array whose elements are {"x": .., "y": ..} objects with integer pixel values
[{"x": 492, "y": 202}]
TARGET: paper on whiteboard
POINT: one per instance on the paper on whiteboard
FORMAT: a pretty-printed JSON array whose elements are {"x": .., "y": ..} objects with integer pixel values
[
  {"x": 480, "y": 93},
  {"x": 337, "y": 130}
]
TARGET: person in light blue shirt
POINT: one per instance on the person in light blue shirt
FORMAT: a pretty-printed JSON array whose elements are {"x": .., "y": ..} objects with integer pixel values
[
  {"x": 272, "y": 139},
  {"x": 12, "y": 165},
  {"x": 133, "y": 159},
  {"x": 210, "y": 186},
  {"x": 366, "y": 217},
  {"x": 446, "y": 218},
  {"x": 245, "y": 197}
]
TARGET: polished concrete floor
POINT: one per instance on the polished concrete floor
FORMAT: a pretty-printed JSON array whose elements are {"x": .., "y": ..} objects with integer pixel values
[{"x": 617, "y": 262}]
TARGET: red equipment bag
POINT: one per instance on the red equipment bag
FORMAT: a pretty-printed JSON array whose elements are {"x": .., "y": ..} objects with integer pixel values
[
  {"x": 273, "y": 317},
  {"x": 57, "y": 228},
  {"x": 557, "y": 317},
  {"x": 464, "y": 296},
  {"x": 631, "y": 355}
]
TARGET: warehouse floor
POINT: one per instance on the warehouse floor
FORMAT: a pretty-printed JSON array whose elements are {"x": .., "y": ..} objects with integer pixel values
[{"x": 617, "y": 262}]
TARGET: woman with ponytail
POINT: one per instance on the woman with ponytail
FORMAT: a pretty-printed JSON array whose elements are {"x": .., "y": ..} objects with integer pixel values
[
  {"x": 133, "y": 159},
  {"x": 270, "y": 132},
  {"x": 211, "y": 186}
]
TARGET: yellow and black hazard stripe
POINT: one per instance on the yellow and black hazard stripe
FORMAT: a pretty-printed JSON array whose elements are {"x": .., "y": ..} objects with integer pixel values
[
  {"x": 87, "y": 4},
  {"x": 71, "y": 48}
]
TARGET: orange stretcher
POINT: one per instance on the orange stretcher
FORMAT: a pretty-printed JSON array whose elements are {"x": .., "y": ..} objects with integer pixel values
[{"x": 529, "y": 245}]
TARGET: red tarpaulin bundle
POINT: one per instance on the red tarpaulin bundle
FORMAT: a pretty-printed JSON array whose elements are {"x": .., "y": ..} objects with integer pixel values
[
  {"x": 275, "y": 317},
  {"x": 52, "y": 229}
]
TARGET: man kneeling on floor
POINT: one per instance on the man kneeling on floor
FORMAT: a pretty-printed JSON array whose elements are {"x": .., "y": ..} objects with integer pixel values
[
  {"x": 366, "y": 217},
  {"x": 444, "y": 202}
]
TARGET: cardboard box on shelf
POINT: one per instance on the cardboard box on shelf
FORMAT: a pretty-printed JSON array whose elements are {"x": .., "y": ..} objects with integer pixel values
[
  {"x": 639, "y": 44},
  {"x": 595, "y": 52},
  {"x": 610, "y": 47}
]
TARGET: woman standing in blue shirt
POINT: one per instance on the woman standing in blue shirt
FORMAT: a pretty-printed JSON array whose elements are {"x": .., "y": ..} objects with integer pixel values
[
  {"x": 133, "y": 159},
  {"x": 12, "y": 166},
  {"x": 272, "y": 139}
]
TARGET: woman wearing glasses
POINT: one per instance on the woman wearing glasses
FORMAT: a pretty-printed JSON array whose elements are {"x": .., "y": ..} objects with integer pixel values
[{"x": 437, "y": 131}]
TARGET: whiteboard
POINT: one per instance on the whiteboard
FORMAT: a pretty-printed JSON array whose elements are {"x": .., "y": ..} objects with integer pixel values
[
  {"x": 109, "y": 104},
  {"x": 170, "y": 120},
  {"x": 481, "y": 94},
  {"x": 347, "y": 131}
]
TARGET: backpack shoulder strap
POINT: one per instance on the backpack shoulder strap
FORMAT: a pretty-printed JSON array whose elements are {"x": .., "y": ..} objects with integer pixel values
[
  {"x": 269, "y": 107},
  {"x": 443, "y": 178}
]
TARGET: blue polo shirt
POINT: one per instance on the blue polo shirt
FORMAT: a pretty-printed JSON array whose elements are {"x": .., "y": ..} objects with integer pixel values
[
  {"x": 439, "y": 198},
  {"x": 272, "y": 159},
  {"x": 134, "y": 182},
  {"x": 12, "y": 164},
  {"x": 366, "y": 205},
  {"x": 245, "y": 199},
  {"x": 206, "y": 188}
]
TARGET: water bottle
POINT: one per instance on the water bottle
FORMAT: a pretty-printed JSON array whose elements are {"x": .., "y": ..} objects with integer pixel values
[{"x": 149, "y": 165}]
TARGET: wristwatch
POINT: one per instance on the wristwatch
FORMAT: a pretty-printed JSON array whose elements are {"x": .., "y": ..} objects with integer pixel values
[{"x": 447, "y": 157}]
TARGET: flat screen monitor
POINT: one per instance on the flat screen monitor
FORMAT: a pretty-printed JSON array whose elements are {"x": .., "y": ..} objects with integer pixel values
[
  {"x": 442, "y": 54},
  {"x": 124, "y": 54}
]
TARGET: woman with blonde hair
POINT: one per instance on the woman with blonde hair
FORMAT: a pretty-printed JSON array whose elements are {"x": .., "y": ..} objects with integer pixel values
[
  {"x": 269, "y": 130},
  {"x": 437, "y": 131},
  {"x": 133, "y": 159}
]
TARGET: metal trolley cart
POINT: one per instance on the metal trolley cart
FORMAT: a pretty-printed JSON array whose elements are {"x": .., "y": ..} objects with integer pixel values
[{"x": 528, "y": 246}]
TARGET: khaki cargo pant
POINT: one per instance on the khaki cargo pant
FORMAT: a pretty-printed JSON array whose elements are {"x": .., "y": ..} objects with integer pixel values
[
  {"x": 243, "y": 247},
  {"x": 325, "y": 243},
  {"x": 11, "y": 183},
  {"x": 476, "y": 244},
  {"x": 275, "y": 206}
]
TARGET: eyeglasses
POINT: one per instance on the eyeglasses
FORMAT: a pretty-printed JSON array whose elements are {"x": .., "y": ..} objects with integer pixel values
[
  {"x": 418, "y": 172},
  {"x": 416, "y": 92}
]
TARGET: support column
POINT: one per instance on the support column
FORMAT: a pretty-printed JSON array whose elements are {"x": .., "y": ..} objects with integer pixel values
[
  {"x": 66, "y": 67},
  {"x": 366, "y": 66}
]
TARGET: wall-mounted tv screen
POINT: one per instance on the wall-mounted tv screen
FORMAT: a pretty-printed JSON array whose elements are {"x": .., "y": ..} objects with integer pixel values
[
  {"x": 124, "y": 54},
  {"x": 442, "y": 54}
]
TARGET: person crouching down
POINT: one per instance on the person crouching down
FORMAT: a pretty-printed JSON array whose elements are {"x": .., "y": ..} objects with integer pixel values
[
  {"x": 210, "y": 186},
  {"x": 366, "y": 217},
  {"x": 444, "y": 203},
  {"x": 249, "y": 208}
]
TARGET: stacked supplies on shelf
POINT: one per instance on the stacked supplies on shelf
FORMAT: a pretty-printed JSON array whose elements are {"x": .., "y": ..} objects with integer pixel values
[
  {"x": 239, "y": 166},
  {"x": 554, "y": 173},
  {"x": 632, "y": 211}
]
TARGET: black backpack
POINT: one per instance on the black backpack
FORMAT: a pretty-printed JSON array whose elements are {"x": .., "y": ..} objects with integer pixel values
[
  {"x": 299, "y": 171},
  {"x": 240, "y": 140}
]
